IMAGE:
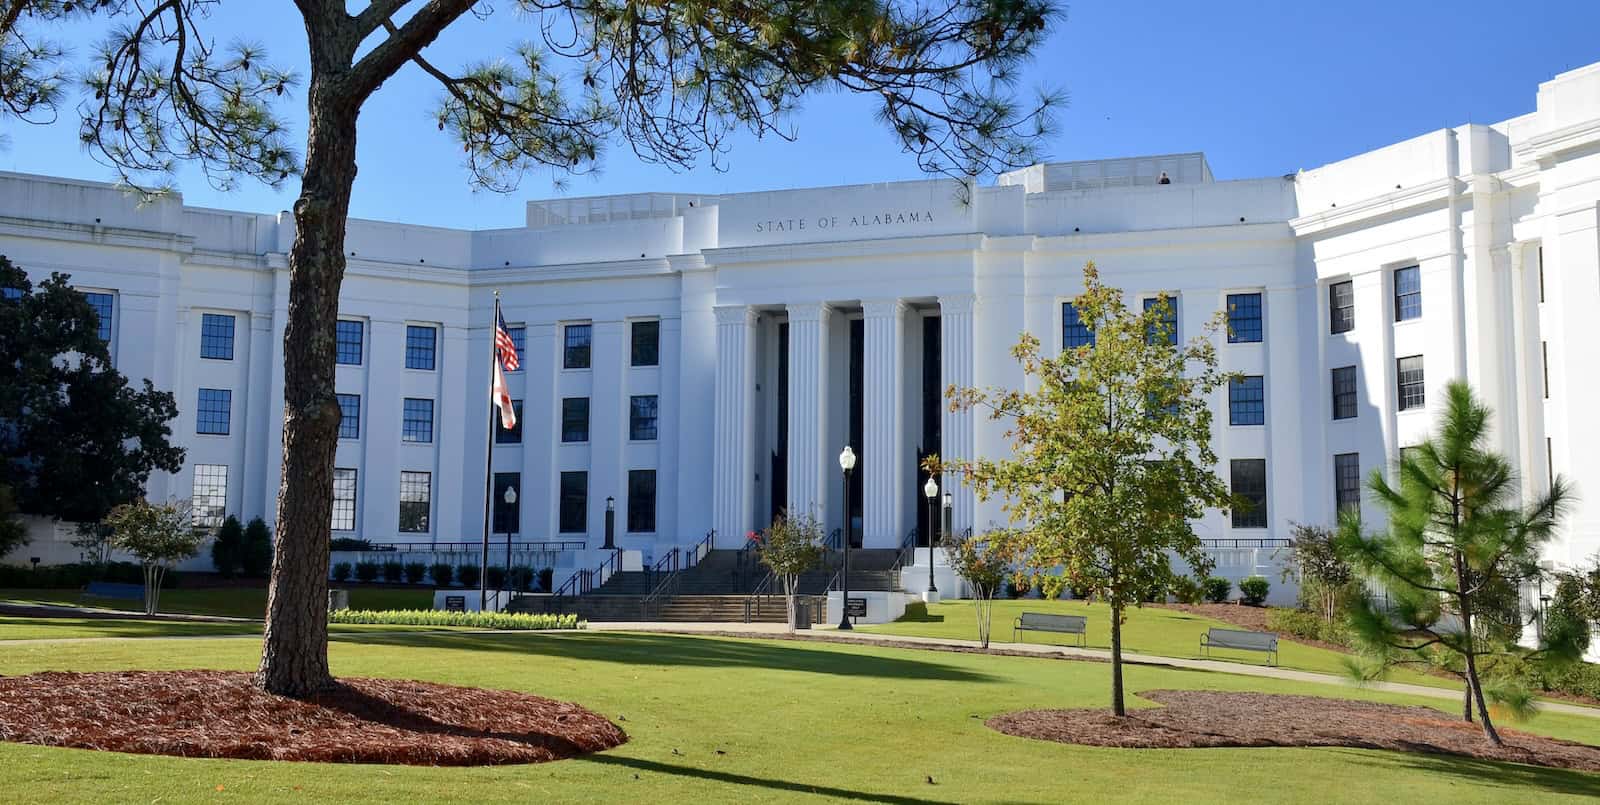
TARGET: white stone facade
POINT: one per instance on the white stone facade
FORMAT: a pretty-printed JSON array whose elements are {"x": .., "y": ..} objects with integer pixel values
[{"x": 1501, "y": 224}]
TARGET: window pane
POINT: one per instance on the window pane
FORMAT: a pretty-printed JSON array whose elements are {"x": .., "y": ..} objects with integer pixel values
[
  {"x": 1169, "y": 319},
  {"x": 1347, "y": 481},
  {"x": 104, "y": 305},
  {"x": 1074, "y": 333},
  {"x": 642, "y": 418},
  {"x": 1341, "y": 307},
  {"x": 1407, "y": 293},
  {"x": 574, "y": 502},
  {"x": 1344, "y": 392},
  {"x": 641, "y": 501},
  {"x": 1244, "y": 318},
  {"x": 344, "y": 499},
  {"x": 416, "y": 501},
  {"x": 501, "y": 435},
  {"x": 575, "y": 354},
  {"x": 507, "y": 516},
  {"x": 210, "y": 505},
  {"x": 213, "y": 412},
  {"x": 216, "y": 336},
  {"x": 1249, "y": 483},
  {"x": 1247, "y": 401},
  {"x": 347, "y": 341},
  {"x": 350, "y": 422},
  {"x": 1409, "y": 374},
  {"x": 646, "y": 343},
  {"x": 519, "y": 339},
  {"x": 420, "y": 342},
  {"x": 575, "y": 419},
  {"x": 418, "y": 421}
]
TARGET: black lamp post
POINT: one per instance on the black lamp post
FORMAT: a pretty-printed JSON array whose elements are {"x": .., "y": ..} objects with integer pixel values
[
  {"x": 511, "y": 504},
  {"x": 930, "y": 490},
  {"x": 847, "y": 462},
  {"x": 611, "y": 523}
]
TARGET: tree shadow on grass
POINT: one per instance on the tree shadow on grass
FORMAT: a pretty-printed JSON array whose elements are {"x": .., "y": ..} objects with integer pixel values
[
  {"x": 729, "y": 778},
  {"x": 1481, "y": 772},
  {"x": 681, "y": 650},
  {"x": 917, "y": 612}
]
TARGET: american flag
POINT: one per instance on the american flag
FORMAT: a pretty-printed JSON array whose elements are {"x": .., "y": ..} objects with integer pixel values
[
  {"x": 504, "y": 348},
  {"x": 505, "y": 352}
]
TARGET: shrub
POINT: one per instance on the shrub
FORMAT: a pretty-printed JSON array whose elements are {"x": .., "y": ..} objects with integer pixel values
[
  {"x": 547, "y": 579},
  {"x": 366, "y": 572},
  {"x": 441, "y": 573},
  {"x": 349, "y": 544},
  {"x": 468, "y": 575},
  {"x": 521, "y": 578},
  {"x": 228, "y": 547},
  {"x": 1577, "y": 679},
  {"x": 1080, "y": 591},
  {"x": 1187, "y": 590},
  {"x": 1051, "y": 587},
  {"x": 437, "y": 617},
  {"x": 76, "y": 575},
  {"x": 1254, "y": 590},
  {"x": 415, "y": 572},
  {"x": 1217, "y": 589},
  {"x": 1019, "y": 585},
  {"x": 392, "y": 571},
  {"x": 1297, "y": 622},
  {"x": 497, "y": 577},
  {"x": 341, "y": 572},
  {"x": 1156, "y": 593},
  {"x": 255, "y": 559}
]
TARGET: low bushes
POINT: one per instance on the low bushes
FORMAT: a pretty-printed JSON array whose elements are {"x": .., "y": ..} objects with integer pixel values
[
  {"x": 415, "y": 572},
  {"x": 1253, "y": 591},
  {"x": 392, "y": 572},
  {"x": 435, "y": 617},
  {"x": 1187, "y": 590},
  {"x": 341, "y": 571},
  {"x": 366, "y": 572},
  {"x": 1217, "y": 589},
  {"x": 78, "y": 575},
  {"x": 468, "y": 575},
  {"x": 441, "y": 573},
  {"x": 1578, "y": 679},
  {"x": 349, "y": 544}
]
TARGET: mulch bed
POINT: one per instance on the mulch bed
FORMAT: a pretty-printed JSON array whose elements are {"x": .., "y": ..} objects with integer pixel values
[
  {"x": 220, "y": 714},
  {"x": 1202, "y": 718}
]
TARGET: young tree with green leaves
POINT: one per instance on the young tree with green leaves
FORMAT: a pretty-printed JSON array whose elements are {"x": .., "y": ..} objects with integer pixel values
[
  {"x": 1458, "y": 543},
  {"x": 1325, "y": 578},
  {"x": 670, "y": 81},
  {"x": 1111, "y": 460},
  {"x": 791, "y": 546},
  {"x": 159, "y": 535},
  {"x": 983, "y": 562}
]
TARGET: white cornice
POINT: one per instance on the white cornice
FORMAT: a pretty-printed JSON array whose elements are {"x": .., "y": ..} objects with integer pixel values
[
  {"x": 1275, "y": 233},
  {"x": 96, "y": 234},
  {"x": 1563, "y": 139},
  {"x": 609, "y": 270},
  {"x": 833, "y": 250},
  {"x": 1397, "y": 201}
]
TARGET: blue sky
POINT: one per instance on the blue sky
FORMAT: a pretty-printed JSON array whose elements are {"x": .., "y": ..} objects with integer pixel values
[{"x": 1263, "y": 88}]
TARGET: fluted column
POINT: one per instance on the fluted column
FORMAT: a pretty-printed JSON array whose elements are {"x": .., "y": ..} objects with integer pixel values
[
  {"x": 808, "y": 409},
  {"x": 883, "y": 456},
  {"x": 956, "y": 346},
  {"x": 733, "y": 467}
]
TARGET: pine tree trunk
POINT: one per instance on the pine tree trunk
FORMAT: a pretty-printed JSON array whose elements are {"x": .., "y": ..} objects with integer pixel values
[
  {"x": 1117, "y": 706},
  {"x": 1466, "y": 703},
  {"x": 1474, "y": 686},
  {"x": 294, "y": 655}
]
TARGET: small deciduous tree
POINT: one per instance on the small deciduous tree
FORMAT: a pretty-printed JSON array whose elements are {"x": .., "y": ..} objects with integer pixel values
[
  {"x": 982, "y": 562},
  {"x": 791, "y": 546},
  {"x": 1111, "y": 459},
  {"x": 1325, "y": 577},
  {"x": 1457, "y": 543},
  {"x": 159, "y": 535}
]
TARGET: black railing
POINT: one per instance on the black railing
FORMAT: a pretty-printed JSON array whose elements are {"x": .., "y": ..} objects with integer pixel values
[
  {"x": 1244, "y": 542},
  {"x": 446, "y": 547}
]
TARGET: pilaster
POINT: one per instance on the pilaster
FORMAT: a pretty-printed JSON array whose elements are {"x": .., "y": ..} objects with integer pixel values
[
  {"x": 808, "y": 409},
  {"x": 733, "y": 473},
  {"x": 883, "y": 454},
  {"x": 956, "y": 350}
]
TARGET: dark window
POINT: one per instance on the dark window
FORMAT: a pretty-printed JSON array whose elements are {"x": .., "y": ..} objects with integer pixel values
[
  {"x": 1549, "y": 462},
  {"x": 416, "y": 501},
  {"x": 507, "y": 516},
  {"x": 575, "y": 349},
  {"x": 214, "y": 411},
  {"x": 1074, "y": 333},
  {"x": 1409, "y": 371},
  {"x": 210, "y": 490},
  {"x": 519, "y": 339},
  {"x": 344, "y": 500},
  {"x": 350, "y": 421},
  {"x": 1544, "y": 357},
  {"x": 420, "y": 344},
  {"x": 1247, "y": 401},
  {"x": 503, "y": 436},
  {"x": 347, "y": 336},
  {"x": 641, "y": 501},
  {"x": 574, "y": 502},
  {"x": 1249, "y": 482},
  {"x": 642, "y": 418},
  {"x": 1341, "y": 307},
  {"x": 1541, "y": 273},
  {"x": 1407, "y": 293},
  {"x": 216, "y": 336},
  {"x": 1244, "y": 318},
  {"x": 11, "y": 294},
  {"x": 1344, "y": 392},
  {"x": 646, "y": 343},
  {"x": 1347, "y": 481},
  {"x": 575, "y": 419},
  {"x": 104, "y": 305},
  {"x": 1169, "y": 319},
  {"x": 417, "y": 424}
]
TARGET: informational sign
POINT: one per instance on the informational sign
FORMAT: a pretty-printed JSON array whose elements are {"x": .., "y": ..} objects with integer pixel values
[
  {"x": 455, "y": 603},
  {"x": 855, "y": 607}
]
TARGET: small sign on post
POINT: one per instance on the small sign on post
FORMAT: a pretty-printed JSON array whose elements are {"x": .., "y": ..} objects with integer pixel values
[
  {"x": 855, "y": 607},
  {"x": 455, "y": 603}
]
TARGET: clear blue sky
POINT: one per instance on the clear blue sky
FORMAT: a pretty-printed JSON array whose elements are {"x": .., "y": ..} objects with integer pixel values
[{"x": 1263, "y": 88}]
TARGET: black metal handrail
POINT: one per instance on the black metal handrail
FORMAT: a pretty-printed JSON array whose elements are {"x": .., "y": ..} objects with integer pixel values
[
  {"x": 553, "y": 546},
  {"x": 762, "y": 594},
  {"x": 908, "y": 547},
  {"x": 1244, "y": 542},
  {"x": 700, "y": 550}
]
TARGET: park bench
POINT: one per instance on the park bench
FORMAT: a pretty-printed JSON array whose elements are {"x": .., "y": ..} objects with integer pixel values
[
  {"x": 111, "y": 589},
  {"x": 1044, "y": 622},
  {"x": 1240, "y": 640}
]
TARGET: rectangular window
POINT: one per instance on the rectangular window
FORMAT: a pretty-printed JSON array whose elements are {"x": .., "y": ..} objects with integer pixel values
[
  {"x": 216, "y": 336},
  {"x": 344, "y": 499},
  {"x": 642, "y": 418},
  {"x": 646, "y": 343},
  {"x": 350, "y": 421},
  {"x": 1344, "y": 392},
  {"x": 210, "y": 505},
  {"x": 1347, "y": 482},
  {"x": 1407, "y": 293},
  {"x": 575, "y": 348},
  {"x": 575, "y": 419},
  {"x": 641, "y": 501},
  {"x": 11, "y": 294},
  {"x": 1409, "y": 373},
  {"x": 1341, "y": 307},
  {"x": 1249, "y": 483},
  {"x": 214, "y": 411},
  {"x": 1549, "y": 463},
  {"x": 1247, "y": 402},
  {"x": 1244, "y": 318},
  {"x": 503, "y": 436},
  {"x": 104, "y": 305},
  {"x": 519, "y": 339},
  {"x": 1541, "y": 273},
  {"x": 348, "y": 337},
  {"x": 1074, "y": 333},
  {"x": 1169, "y": 319},
  {"x": 417, "y": 424},
  {"x": 574, "y": 502},
  {"x": 1544, "y": 357},
  {"x": 507, "y": 516},
  {"x": 420, "y": 345},
  {"x": 416, "y": 501}
]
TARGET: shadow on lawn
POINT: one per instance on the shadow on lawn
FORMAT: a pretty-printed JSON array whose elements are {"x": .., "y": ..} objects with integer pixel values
[
  {"x": 728, "y": 778},
  {"x": 1481, "y": 772},
  {"x": 692, "y": 651}
]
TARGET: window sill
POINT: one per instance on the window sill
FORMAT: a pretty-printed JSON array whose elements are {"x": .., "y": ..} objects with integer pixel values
[
  {"x": 219, "y": 360},
  {"x": 214, "y": 435}
]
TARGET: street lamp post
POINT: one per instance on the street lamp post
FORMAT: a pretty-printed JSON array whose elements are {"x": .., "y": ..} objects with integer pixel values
[
  {"x": 511, "y": 504},
  {"x": 930, "y": 490},
  {"x": 847, "y": 462},
  {"x": 611, "y": 523}
]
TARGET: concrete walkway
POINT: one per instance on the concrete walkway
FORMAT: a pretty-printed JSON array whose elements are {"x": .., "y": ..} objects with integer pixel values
[{"x": 42, "y": 610}]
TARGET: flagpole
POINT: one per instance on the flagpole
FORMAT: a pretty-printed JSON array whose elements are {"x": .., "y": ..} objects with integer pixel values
[{"x": 488, "y": 464}]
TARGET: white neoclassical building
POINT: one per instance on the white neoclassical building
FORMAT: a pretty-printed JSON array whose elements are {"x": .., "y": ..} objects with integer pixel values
[{"x": 701, "y": 360}]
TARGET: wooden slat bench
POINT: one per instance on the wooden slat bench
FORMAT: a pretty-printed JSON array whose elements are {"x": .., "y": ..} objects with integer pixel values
[
  {"x": 1045, "y": 622},
  {"x": 1240, "y": 640}
]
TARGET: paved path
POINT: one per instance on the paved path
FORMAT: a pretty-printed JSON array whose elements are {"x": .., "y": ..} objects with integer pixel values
[{"x": 41, "y": 610}]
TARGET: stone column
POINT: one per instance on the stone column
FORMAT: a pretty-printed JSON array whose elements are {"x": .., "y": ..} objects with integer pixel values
[
  {"x": 809, "y": 456},
  {"x": 957, "y": 344},
  {"x": 733, "y": 473},
  {"x": 883, "y": 454}
]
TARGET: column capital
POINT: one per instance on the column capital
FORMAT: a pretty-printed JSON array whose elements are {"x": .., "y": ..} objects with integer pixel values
[
  {"x": 735, "y": 314},
  {"x": 809, "y": 311},
  {"x": 883, "y": 308},
  {"x": 958, "y": 303}
]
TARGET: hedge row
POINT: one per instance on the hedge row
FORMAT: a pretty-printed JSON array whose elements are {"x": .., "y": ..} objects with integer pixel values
[
  {"x": 433, "y": 617},
  {"x": 78, "y": 575}
]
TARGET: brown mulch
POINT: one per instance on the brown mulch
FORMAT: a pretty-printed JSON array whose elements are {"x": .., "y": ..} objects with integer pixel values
[
  {"x": 1204, "y": 718},
  {"x": 220, "y": 714}
]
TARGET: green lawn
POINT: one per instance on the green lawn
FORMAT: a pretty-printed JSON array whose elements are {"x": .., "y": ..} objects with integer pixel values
[
  {"x": 723, "y": 720},
  {"x": 237, "y": 602},
  {"x": 14, "y": 628}
]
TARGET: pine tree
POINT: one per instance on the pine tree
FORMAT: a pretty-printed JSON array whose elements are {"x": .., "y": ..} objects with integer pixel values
[{"x": 227, "y": 551}]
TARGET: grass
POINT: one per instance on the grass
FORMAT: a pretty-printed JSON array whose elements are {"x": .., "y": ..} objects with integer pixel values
[
  {"x": 235, "y": 602},
  {"x": 721, "y": 720},
  {"x": 16, "y": 628}
]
